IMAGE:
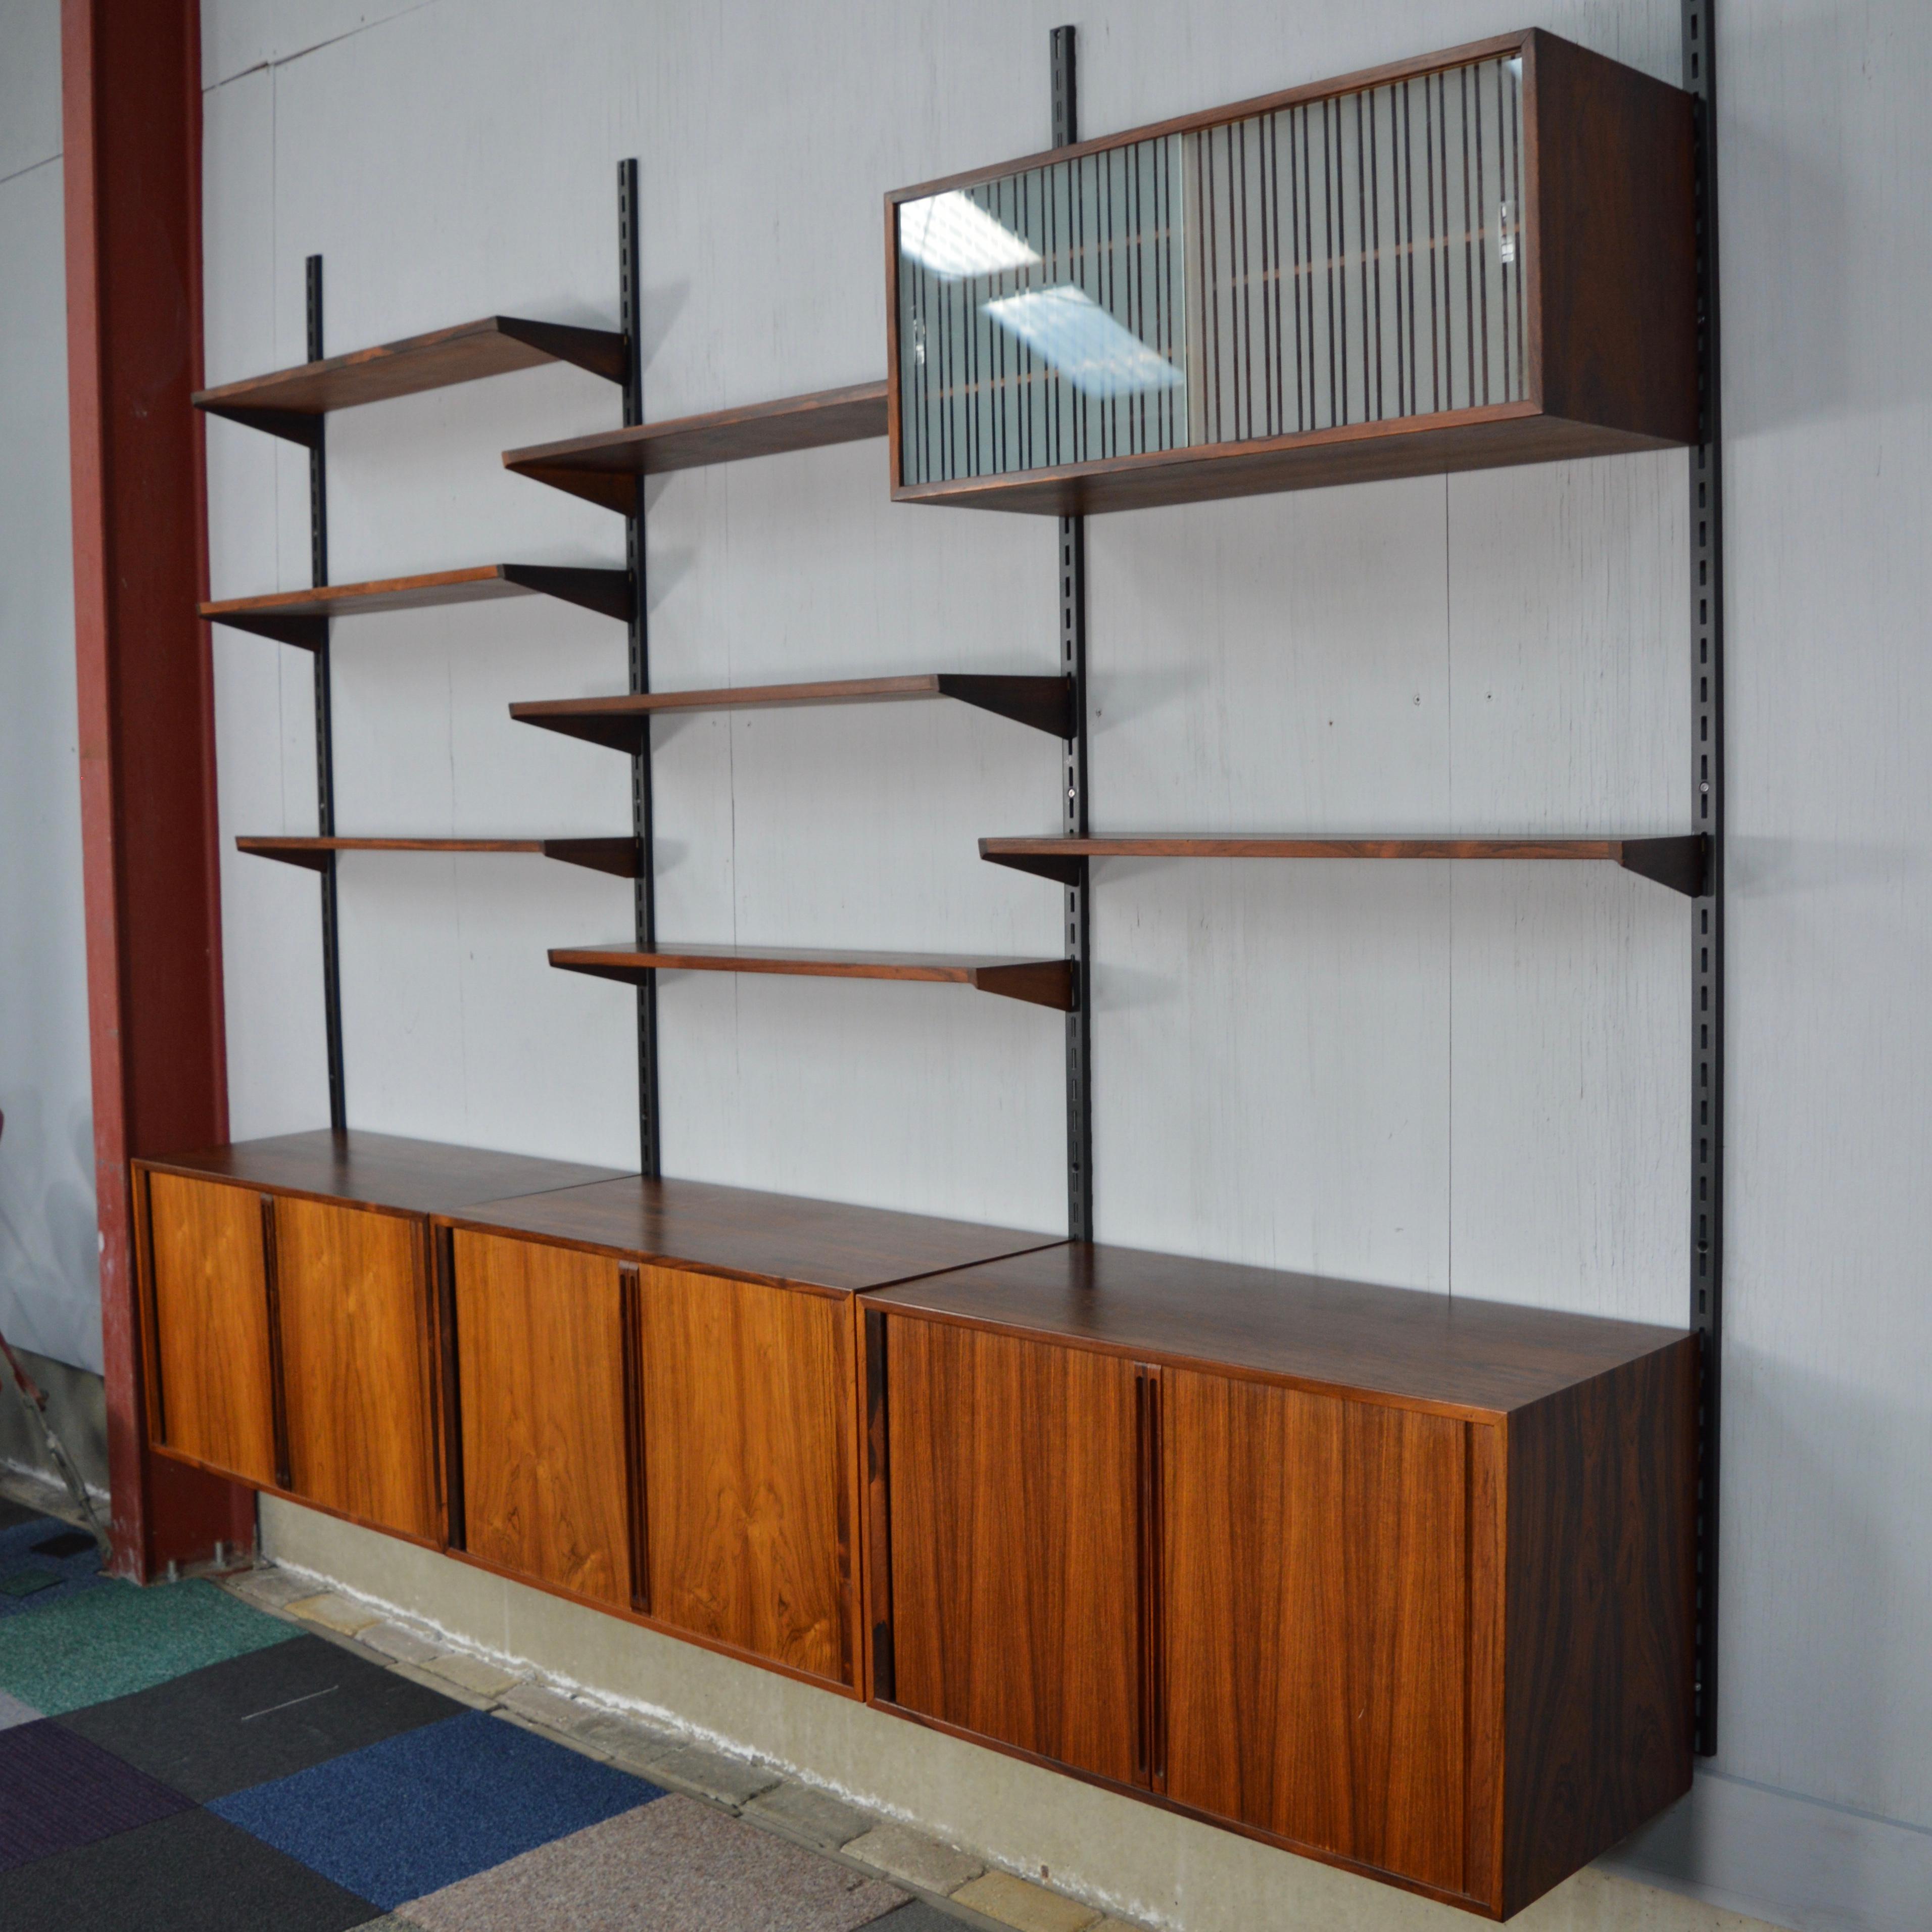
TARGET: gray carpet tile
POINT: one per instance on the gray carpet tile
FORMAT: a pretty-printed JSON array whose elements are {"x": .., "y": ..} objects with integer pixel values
[
  {"x": 264, "y": 1715},
  {"x": 192, "y": 1873},
  {"x": 674, "y": 1866},
  {"x": 13, "y": 1711}
]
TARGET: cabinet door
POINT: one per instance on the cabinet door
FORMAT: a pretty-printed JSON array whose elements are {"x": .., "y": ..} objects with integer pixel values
[
  {"x": 356, "y": 1343},
  {"x": 750, "y": 1465},
  {"x": 1013, "y": 1477},
  {"x": 1315, "y": 1619},
  {"x": 540, "y": 1353},
  {"x": 209, "y": 1282}
]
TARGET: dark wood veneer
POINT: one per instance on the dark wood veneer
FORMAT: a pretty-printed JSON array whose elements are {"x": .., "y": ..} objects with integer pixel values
[
  {"x": 623, "y": 858},
  {"x": 286, "y": 401},
  {"x": 300, "y": 617},
  {"x": 1681, "y": 862},
  {"x": 1040, "y": 983},
  {"x": 622, "y": 723},
  {"x": 1451, "y": 1353},
  {"x": 607, "y": 468},
  {"x": 780, "y": 1240},
  {"x": 379, "y": 1170}
]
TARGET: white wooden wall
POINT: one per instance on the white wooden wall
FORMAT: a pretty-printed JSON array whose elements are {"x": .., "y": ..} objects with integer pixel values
[
  {"x": 1468, "y": 1079},
  {"x": 50, "y": 1272}
]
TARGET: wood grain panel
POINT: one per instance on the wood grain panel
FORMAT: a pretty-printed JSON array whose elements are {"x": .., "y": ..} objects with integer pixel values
[
  {"x": 210, "y": 1293},
  {"x": 1316, "y": 1620},
  {"x": 749, "y": 1465},
  {"x": 1602, "y": 1557},
  {"x": 357, "y": 1363},
  {"x": 539, "y": 1335},
  {"x": 1014, "y": 1528}
]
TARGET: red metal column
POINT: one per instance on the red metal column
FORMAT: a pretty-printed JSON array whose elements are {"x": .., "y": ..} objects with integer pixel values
[{"x": 131, "y": 83}]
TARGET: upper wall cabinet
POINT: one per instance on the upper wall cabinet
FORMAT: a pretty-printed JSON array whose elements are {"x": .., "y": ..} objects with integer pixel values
[{"x": 1478, "y": 258}]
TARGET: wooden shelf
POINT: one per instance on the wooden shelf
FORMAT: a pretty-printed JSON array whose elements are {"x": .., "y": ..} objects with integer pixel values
[
  {"x": 1681, "y": 862},
  {"x": 291, "y": 402},
  {"x": 619, "y": 857},
  {"x": 1044, "y": 702},
  {"x": 301, "y": 617},
  {"x": 1042, "y": 983},
  {"x": 605, "y": 469}
]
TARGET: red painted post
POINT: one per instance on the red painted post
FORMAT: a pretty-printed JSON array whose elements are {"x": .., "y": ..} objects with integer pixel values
[{"x": 130, "y": 83}]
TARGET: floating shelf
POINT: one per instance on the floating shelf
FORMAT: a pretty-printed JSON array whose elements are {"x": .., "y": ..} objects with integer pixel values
[
  {"x": 619, "y": 857},
  {"x": 301, "y": 617},
  {"x": 606, "y": 468},
  {"x": 291, "y": 402},
  {"x": 1046, "y": 703},
  {"x": 1251, "y": 299},
  {"x": 1680, "y": 862},
  {"x": 1042, "y": 983}
]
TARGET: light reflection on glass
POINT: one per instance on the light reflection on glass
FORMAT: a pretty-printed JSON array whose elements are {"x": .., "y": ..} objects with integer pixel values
[
  {"x": 1350, "y": 259},
  {"x": 1084, "y": 343}
]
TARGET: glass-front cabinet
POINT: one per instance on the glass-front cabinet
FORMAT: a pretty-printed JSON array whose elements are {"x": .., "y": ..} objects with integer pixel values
[{"x": 1483, "y": 256}]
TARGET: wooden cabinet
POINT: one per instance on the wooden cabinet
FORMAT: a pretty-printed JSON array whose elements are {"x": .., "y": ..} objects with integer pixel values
[
  {"x": 291, "y": 1336},
  {"x": 210, "y": 1379},
  {"x": 1400, "y": 1581},
  {"x": 1014, "y": 1512},
  {"x": 658, "y": 1391},
  {"x": 1482, "y": 256}
]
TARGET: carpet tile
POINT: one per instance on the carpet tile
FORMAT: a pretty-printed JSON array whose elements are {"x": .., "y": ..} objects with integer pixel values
[
  {"x": 58, "y": 1791},
  {"x": 43, "y": 1562},
  {"x": 192, "y": 1873},
  {"x": 674, "y": 1866},
  {"x": 13, "y": 1711},
  {"x": 400, "y": 1819},
  {"x": 264, "y": 1715},
  {"x": 116, "y": 1639}
]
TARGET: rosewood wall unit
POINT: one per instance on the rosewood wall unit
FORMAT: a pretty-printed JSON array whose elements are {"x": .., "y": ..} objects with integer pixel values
[
  {"x": 655, "y": 1404},
  {"x": 1399, "y": 1580},
  {"x": 1480, "y": 257},
  {"x": 295, "y": 403},
  {"x": 290, "y": 1336}
]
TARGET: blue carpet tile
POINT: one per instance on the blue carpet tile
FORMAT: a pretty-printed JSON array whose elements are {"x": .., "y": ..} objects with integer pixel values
[
  {"x": 419, "y": 1811},
  {"x": 43, "y": 1562}
]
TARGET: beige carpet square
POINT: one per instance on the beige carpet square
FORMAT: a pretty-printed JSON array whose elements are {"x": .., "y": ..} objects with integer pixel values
[{"x": 673, "y": 1865}]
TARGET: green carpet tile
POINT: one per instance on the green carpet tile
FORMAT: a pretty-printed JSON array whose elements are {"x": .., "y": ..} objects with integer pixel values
[
  {"x": 115, "y": 1639},
  {"x": 673, "y": 1866}
]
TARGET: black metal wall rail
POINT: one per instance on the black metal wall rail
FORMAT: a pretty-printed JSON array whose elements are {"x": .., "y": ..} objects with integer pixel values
[{"x": 1707, "y": 791}]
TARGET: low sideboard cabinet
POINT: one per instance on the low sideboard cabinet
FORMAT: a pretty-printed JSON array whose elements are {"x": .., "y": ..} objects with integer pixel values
[
  {"x": 656, "y": 1399},
  {"x": 290, "y": 1336},
  {"x": 1399, "y": 1580}
]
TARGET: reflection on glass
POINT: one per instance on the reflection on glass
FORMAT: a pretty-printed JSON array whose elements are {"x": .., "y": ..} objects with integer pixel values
[
  {"x": 1348, "y": 260},
  {"x": 1082, "y": 343}
]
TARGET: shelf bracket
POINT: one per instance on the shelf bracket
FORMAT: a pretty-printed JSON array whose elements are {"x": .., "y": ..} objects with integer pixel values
[
  {"x": 1045, "y": 703},
  {"x": 1040, "y": 983},
  {"x": 291, "y": 425},
  {"x": 621, "y": 858},
  {"x": 1682, "y": 863},
  {"x": 1707, "y": 793},
  {"x": 607, "y": 591},
  {"x": 1069, "y": 872},
  {"x": 306, "y": 633},
  {"x": 603, "y": 351}
]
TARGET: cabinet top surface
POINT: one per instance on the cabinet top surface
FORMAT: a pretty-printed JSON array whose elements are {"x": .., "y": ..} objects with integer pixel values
[
  {"x": 741, "y": 1232},
  {"x": 1408, "y": 1344},
  {"x": 381, "y": 1170}
]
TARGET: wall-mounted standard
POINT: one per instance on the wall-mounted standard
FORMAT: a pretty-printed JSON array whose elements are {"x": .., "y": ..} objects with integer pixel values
[{"x": 1480, "y": 257}]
